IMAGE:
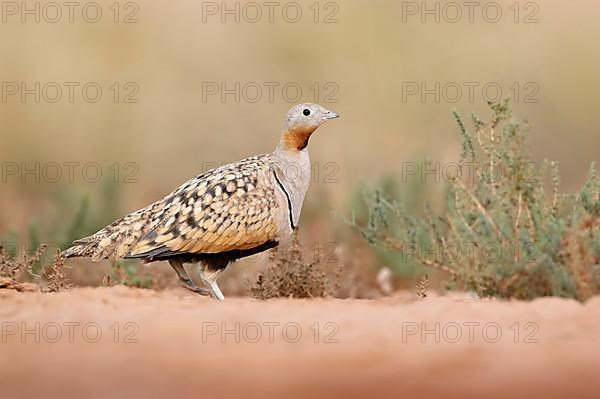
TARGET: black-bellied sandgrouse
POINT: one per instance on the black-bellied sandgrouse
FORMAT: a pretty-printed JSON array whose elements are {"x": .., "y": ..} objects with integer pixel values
[{"x": 227, "y": 213}]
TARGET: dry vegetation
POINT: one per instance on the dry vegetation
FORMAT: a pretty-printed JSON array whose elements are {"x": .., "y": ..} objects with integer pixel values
[
  {"x": 19, "y": 274},
  {"x": 289, "y": 275},
  {"x": 56, "y": 277},
  {"x": 423, "y": 286}
]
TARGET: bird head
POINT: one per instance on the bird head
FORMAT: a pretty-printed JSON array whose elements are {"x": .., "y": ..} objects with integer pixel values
[{"x": 301, "y": 121}]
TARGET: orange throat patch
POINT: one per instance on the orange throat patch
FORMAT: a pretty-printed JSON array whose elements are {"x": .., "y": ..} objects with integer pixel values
[{"x": 296, "y": 139}]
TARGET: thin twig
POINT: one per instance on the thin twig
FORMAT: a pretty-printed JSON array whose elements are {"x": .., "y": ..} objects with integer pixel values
[{"x": 483, "y": 212}]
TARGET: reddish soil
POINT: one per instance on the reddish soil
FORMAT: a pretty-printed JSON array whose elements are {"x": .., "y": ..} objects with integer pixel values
[{"x": 170, "y": 344}]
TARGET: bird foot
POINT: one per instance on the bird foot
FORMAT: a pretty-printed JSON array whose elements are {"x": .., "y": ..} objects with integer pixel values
[
  {"x": 218, "y": 295},
  {"x": 194, "y": 288},
  {"x": 213, "y": 288}
]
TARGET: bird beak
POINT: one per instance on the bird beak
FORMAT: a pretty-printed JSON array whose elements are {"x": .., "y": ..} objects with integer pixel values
[{"x": 331, "y": 115}]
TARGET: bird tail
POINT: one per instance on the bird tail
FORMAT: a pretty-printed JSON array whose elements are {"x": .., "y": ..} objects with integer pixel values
[
  {"x": 79, "y": 249},
  {"x": 112, "y": 242},
  {"x": 89, "y": 247}
]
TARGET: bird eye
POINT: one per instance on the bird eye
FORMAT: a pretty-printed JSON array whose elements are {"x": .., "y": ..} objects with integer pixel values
[{"x": 306, "y": 112}]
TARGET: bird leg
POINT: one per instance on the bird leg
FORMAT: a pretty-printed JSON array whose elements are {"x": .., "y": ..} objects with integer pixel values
[
  {"x": 185, "y": 280},
  {"x": 209, "y": 278}
]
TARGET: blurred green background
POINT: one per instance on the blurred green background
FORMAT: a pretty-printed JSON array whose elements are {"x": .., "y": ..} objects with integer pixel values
[{"x": 360, "y": 64}]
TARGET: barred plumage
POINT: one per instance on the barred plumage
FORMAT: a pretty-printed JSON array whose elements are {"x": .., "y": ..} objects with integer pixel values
[{"x": 221, "y": 215}]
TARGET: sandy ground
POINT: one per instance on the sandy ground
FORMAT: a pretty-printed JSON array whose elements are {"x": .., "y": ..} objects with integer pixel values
[{"x": 121, "y": 342}]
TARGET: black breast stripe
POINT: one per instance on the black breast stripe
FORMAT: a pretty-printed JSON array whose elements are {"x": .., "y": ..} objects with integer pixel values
[{"x": 289, "y": 202}]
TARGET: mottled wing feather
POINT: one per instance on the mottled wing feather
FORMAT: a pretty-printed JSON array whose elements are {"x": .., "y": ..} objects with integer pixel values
[{"x": 229, "y": 208}]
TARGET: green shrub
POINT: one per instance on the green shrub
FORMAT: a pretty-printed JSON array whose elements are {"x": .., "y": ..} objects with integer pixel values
[
  {"x": 413, "y": 192},
  {"x": 503, "y": 233}
]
